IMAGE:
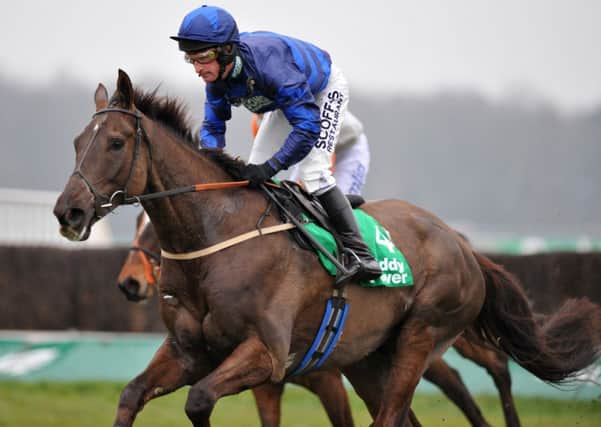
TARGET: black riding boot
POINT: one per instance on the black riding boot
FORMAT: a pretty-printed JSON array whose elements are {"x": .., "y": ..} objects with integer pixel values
[{"x": 362, "y": 266}]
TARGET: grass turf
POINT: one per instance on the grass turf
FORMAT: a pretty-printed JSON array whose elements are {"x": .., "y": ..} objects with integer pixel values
[{"x": 91, "y": 404}]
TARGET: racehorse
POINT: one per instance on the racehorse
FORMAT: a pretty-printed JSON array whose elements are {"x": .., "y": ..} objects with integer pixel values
[
  {"x": 139, "y": 276},
  {"x": 243, "y": 316}
]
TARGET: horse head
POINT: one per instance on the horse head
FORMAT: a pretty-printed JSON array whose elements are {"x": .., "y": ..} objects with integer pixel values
[
  {"x": 110, "y": 163},
  {"x": 140, "y": 272}
]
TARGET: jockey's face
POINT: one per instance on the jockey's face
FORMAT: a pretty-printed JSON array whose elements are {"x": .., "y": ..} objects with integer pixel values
[
  {"x": 208, "y": 72},
  {"x": 205, "y": 64}
]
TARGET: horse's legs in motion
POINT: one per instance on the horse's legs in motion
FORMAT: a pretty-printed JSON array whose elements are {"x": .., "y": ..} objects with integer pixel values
[
  {"x": 249, "y": 365},
  {"x": 169, "y": 370},
  {"x": 449, "y": 381},
  {"x": 496, "y": 364},
  {"x": 328, "y": 386},
  {"x": 414, "y": 347},
  {"x": 368, "y": 378},
  {"x": 268, "y": 398}
]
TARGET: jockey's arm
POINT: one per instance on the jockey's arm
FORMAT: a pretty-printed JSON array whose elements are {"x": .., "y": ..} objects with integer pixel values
[
  {"x": 217, "y": 111},
  {"x": 298, "y": 105}
]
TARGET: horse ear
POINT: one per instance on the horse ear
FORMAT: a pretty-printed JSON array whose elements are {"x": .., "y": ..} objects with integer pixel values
[
  {"x": 125, "y": 90},
  {"x": 101, "y": 97}
]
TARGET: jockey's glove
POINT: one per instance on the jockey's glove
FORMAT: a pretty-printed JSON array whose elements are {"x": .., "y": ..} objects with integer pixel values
[{"x": 258, "y": 174}]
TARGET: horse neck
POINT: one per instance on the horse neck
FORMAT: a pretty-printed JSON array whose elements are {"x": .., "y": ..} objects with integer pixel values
[{"x": 188, "y": 221}]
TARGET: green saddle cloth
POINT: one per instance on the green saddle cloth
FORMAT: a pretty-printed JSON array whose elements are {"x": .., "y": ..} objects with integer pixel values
[{"x": 395, "y": 269}]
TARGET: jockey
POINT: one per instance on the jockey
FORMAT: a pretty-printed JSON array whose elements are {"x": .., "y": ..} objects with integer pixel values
[{"x": 303, "y": 97}]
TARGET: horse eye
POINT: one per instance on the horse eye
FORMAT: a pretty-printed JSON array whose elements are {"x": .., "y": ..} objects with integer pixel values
[{"x": 116, "y": 144}]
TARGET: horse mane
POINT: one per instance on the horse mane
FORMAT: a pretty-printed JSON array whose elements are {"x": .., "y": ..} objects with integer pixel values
[
  {"x": 173, "y": 114},
  {"x": 233, "y": 166}
]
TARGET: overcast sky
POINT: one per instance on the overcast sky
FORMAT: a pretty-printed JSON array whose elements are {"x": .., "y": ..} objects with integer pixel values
[{"x": 534, "y": 48}]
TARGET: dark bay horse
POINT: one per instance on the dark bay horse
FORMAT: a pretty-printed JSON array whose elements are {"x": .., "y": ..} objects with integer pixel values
[
  {"x": 246, "y": 315},
  {"x": 138, "y": 278}
]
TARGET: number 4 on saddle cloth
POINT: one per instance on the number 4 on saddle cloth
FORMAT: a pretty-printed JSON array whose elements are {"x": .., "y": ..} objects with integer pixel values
[
  {"x": 302, "y": 208},
  {"x": 395, "y": 269}
]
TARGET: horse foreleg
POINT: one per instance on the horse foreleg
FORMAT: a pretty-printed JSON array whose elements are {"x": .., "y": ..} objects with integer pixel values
[
  {"x": 169, "y": 370},
  {"x": 268, "y": 398},
  {"x": 328, "y": 386},
  {"x": 249, "y": 365},
  {"x": 449, "y": 381},
  {"x": 495, "y": 364}
]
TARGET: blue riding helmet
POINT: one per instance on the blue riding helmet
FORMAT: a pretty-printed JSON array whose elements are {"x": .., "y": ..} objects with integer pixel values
[{"x": 206, "y": 27}]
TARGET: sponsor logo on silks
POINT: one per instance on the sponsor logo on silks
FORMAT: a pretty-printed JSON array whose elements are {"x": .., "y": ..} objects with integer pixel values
[
  {"x": 393, "y": 270},
  {"x": 256, "y": 103},
  {"x": 329, "y": 121}
]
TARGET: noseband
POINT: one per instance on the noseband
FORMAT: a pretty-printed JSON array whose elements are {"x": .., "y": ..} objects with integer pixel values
[{"x": 103, "y": 201}]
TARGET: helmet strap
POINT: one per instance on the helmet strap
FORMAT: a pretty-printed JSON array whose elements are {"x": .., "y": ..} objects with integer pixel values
[
  {"x": 226, "y": 58},
  {"x": 221, "y": 70}
]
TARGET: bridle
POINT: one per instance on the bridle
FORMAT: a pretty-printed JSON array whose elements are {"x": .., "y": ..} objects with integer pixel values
[
  {"x": 103, "y": 201},
  {"x": 151, "y": 261}
]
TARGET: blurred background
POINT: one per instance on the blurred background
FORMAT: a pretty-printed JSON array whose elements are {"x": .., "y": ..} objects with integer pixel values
[{"x": 486, "y": 113}]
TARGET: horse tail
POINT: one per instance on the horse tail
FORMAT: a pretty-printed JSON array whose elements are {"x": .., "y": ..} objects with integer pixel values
[
  {"x": 554, "y": 348},
  {"x": 575, "y": 325}
]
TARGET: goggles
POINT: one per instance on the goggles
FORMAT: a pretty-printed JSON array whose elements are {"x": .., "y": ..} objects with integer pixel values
[{"x": 203, "y": 57}]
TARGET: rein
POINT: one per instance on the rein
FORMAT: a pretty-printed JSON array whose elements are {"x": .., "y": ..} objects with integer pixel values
[
  {"x": 181, "y": 190},
  {"x": 104, "y": 201},
  {"x": 131, "y": 200},
  {"x": 211, "y": 249}
]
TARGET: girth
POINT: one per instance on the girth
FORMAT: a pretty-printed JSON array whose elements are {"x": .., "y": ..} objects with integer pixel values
[{"x": 328, "y": 334}]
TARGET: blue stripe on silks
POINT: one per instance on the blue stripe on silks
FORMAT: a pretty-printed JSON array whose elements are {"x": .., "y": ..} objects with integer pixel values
[
  {"x": 336, "y": 337},
  {"x": 298, "y": 55},
  {"x": 316, "y": 71},
  {"x": 317, "y": 340}
]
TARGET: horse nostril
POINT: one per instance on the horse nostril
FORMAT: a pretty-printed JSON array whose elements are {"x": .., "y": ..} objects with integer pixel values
[
  {"x": 74, "y": 217},
  {"x": 130, "y": 287}
]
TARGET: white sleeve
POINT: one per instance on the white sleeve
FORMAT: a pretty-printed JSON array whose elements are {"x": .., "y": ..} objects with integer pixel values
[{"x": 351, "y": 129}]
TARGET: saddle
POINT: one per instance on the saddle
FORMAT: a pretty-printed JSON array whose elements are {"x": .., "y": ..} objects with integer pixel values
[{"x": 296, "y": 205}]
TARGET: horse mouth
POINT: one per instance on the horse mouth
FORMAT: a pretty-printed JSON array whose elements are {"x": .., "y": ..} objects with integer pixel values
[
  {"x": 135, "y": 290},
  {"x": 74, "y": 235}
]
